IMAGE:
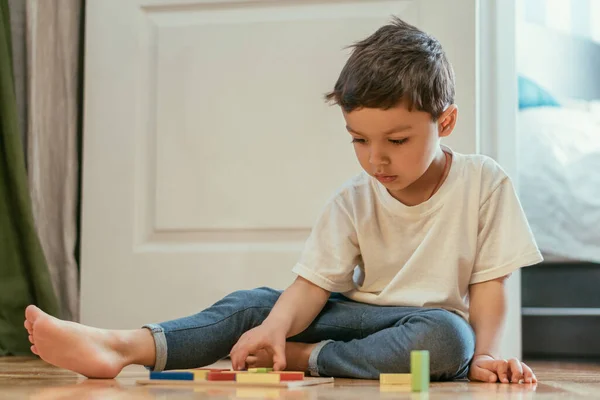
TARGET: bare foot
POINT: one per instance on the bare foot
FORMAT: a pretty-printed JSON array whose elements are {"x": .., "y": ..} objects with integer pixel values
[
  {"x": 93, "y": 352},
  {"x": 296, "y": 356}
]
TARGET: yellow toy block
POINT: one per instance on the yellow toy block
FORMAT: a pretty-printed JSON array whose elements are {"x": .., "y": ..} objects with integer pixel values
[
  {"x": 395, "y": 388},
  {"x": 258, "y": 378},
  {"x": 395, "y": 379},
  {"x": 258, "y": 393},
  {"x": 199, "y": 375}
]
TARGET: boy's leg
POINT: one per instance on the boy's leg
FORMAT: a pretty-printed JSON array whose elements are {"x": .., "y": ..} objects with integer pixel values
[
  {"x": 204, "y": 338},
  {"x": 385, "y": 339},
  {"x": 193, "y": 341},
  {"x": 357, "y": 340},
  {"x": 360, "y": 340},
  {"x": 93, "y": 352}
]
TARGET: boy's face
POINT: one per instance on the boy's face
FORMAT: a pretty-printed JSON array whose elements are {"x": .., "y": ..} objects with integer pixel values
[{"x": 397, "y": 146}]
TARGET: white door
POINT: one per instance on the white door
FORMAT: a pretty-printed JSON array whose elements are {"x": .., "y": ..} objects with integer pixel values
[{"x": 208, "y": 150}]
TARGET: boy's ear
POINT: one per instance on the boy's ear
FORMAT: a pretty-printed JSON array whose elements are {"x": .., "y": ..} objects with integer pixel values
[{"x": 447, "y": 121}]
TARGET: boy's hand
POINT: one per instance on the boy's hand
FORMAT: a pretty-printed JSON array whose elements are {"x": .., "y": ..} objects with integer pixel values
[
  {"x": 487, "y": 369},
  {"x": 263, "y": 337}
]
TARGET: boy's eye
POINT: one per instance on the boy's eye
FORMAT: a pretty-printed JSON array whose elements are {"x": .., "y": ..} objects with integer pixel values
[
  {"x": 393, "y": 141},
  {"x": 398, "y": 141}
]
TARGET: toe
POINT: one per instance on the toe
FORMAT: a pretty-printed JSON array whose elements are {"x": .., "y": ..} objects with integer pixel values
[
  {"x": 31, "y": 339},
  {"x": 34, "y": 350},
  {"x": 32, "y": 313},
  {"x": 28, "y": 326}
]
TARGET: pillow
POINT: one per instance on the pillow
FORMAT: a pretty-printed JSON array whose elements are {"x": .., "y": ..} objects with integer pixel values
[{"x": 533, "y": 95}]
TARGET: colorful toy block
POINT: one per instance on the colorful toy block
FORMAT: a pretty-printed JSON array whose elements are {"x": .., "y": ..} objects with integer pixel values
[
  {"x": 221, "y": 376},
  {"x": 419, "y": 369},
  {"x": 395, "y": 388},
  {"x": 172, "y": 375},
  {"x": 258, "y": 378},
  {"x": 395, "y": 379},
  {"x": 236, "y": 379},
  {"x": 199, "y": 375},
  {"x": 210, "y": 369},
  {"x": 289, "y": 375},
  {"x": 260, "y": 370}
]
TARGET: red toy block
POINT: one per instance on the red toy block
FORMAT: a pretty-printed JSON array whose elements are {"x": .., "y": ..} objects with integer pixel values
[
  {"x": 290, "y": 376},
  {"x": 220, "y": 376}
]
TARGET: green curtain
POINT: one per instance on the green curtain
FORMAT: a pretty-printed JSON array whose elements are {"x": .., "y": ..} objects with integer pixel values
[{"x": 24, "y": 276}]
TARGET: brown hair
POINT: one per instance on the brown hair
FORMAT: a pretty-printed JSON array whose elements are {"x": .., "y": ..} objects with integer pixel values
[{"x": 397, "y": 63}]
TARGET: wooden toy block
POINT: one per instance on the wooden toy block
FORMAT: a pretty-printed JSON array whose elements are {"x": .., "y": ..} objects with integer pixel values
[
  {"x": 287, "y": 372},
  {"x": 210, "y": 369},
  {"x": 419, "y": 369},
  {"x": 172, "y": 375},
  {"x": 258, "y": 393},
  {"x": 221, "y": 376},
  {"x": 219, "y": 385},
  {"x": 289, "y": 375},
  {"x": 199, "y": 375},
  {"x": 395, "y": 379},
  {"x": 258, "y": 378},
  {"x": 261, "y": 370},
  {"x": 395, "y": 388}
]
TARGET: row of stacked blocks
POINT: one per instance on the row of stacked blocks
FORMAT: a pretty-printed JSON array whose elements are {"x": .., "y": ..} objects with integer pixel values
[
  {"x": 252, "y": 375},
  {"x": 418, "y": 377}
]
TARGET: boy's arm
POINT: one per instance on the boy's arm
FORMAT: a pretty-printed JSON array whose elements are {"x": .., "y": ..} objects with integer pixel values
[
  {"x": 487, "y": 316},
  {"x": 297, "y": 307},
  {"x": 293, "y": 312}
]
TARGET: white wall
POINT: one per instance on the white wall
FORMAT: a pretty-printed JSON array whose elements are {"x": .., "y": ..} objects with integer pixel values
[{"x": 497, "y": 127}]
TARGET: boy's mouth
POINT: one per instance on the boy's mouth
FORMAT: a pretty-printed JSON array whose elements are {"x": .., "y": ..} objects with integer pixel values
[{"x": 385, "y": 178}]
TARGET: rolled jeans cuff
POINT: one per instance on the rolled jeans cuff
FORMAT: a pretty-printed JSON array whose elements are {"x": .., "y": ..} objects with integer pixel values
[
  {"x": 313, "y": 367},
  {"x": 160, "y": 344}
]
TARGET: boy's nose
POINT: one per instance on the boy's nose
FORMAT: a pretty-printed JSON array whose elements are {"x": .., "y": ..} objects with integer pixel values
[{"x": 377, "y": 157}]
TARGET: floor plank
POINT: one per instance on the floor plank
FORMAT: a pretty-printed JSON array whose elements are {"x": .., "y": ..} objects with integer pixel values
[{"x": 31, "y": 378}]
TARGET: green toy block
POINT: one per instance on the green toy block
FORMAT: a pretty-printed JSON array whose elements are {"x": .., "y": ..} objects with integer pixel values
[
  {"x": 419, "y": 369},
  {"x": 260, "y": 370}
]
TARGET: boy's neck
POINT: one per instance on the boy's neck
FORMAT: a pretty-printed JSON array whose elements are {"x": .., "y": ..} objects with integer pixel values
[{"x": 430, "y": 182}]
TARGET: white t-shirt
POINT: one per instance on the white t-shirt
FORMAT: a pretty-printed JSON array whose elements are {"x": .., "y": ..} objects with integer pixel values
[{"x": 374, "y": 249}]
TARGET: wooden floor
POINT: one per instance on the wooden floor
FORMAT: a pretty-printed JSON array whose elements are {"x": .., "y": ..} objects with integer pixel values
[{"x": 28, "y": 378}]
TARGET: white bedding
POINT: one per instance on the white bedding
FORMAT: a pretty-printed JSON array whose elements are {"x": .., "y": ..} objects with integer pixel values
[{"x": 559, "y": 178}]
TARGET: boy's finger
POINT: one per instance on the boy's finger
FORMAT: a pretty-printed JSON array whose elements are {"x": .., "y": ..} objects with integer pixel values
[
  {"x": 279, "y": 361},
  {"x": 528, "y": 374},
  {"x": 482, "y": 375},
  {"x": 238, "y": 359},
  {"x": 502, "y": 370},
  {"x": 240, "y": 343},
  {"x": 516, "y": 370}
]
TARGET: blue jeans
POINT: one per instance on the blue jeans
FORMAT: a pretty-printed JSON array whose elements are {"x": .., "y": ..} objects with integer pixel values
[{"x": 356, "y": 340}]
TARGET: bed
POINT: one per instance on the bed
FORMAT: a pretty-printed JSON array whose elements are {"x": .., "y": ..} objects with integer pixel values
[
  {"x": 559, "y": 187},
  {"x": 559, "y": 142}
]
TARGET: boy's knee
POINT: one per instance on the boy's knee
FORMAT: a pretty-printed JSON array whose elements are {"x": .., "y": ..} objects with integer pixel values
[
  {"x": 262, "y": 297},
  {"x": 451, "y": 344}
]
